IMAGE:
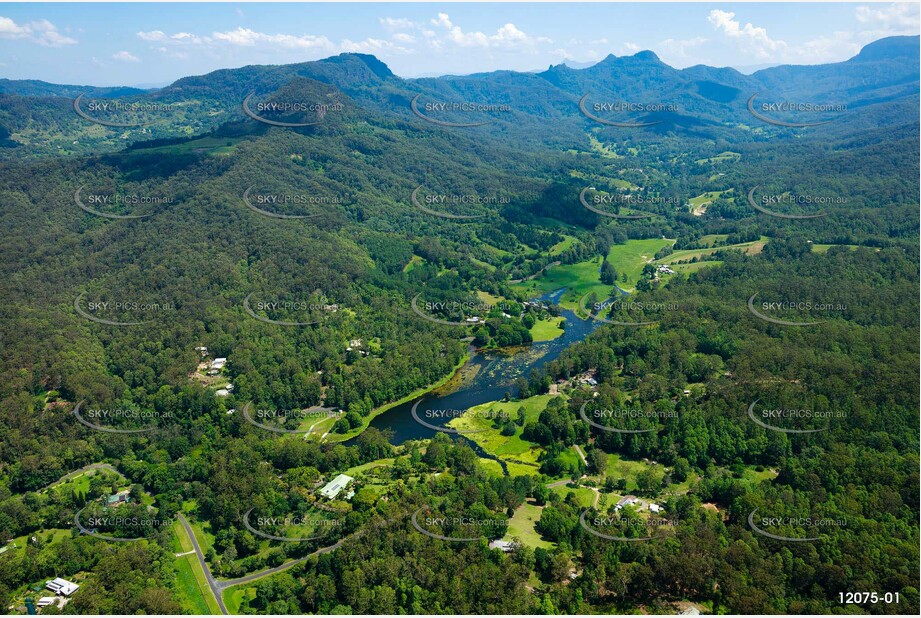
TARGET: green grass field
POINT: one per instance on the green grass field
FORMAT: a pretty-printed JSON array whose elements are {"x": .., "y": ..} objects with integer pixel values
[
  {"x": 413, "y": 262},
  {"x": 630, "y": 258},
  {"x": 192, "y": 585},
  {"x": 693, "y": 268},
  {"x": 711, "y": 239},
  {"x": 546, "y": 330},
  {"x": 582, "y": 277},
  {"x": 699, "y": 203},
  {"x": 235, "y": 597},
  {"x": 562, "y": 246},
  {"x": 820, "y": 248},
  {"x": 521, "y": 526},
  {"x": 584, "y": 496},
  {"x": 749, "y": 248},
  {"x": 519, "y": 455},
  {"x": 723, "y": 157}
]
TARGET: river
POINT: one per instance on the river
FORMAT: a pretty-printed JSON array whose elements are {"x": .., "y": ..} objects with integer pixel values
[{"x": 486, "y": 377}]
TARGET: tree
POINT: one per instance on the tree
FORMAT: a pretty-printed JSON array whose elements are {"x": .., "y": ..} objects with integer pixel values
[{"x": 608, "y": 273}]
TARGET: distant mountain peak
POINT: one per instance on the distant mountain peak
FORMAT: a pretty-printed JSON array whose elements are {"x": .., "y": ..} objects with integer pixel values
[
  {"x": 890, "y": 47},
  {"x": 376, "y": 66}
]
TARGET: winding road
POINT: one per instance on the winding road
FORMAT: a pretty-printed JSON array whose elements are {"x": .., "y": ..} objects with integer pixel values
[{"x": 218, "y": 586}]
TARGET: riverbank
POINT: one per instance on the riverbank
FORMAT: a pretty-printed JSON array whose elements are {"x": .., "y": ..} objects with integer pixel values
[{"x": 366, "y": 421}]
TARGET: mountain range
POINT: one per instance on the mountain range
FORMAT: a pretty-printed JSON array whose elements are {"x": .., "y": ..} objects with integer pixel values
[{"x": 534, "y": 109}]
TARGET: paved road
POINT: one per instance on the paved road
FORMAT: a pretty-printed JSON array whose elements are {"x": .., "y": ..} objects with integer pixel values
[
  {"x": 254, "y": 576},
  {"x": 215, "y": 586},
  {"x": 581, "y": 454}
]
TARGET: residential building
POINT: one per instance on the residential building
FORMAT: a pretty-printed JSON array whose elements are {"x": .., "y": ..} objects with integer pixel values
[{"x": 332, "y": 489}]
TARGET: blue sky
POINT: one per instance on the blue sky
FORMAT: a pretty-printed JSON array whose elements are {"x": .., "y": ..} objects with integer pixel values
[{"x": 131, "y": 44}]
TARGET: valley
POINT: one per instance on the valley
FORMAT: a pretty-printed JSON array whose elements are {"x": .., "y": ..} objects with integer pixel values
[{"x": 384, "y": 357}]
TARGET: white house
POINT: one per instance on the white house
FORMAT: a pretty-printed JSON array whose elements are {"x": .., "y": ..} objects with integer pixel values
[
  {"x": 655, "y": 508},
  {"x": 61, "y": 586},
  {"x": 332, "y": 489},
  {"x": 218, "y": 363}
]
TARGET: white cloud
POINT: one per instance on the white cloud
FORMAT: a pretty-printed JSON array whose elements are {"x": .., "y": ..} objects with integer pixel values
[
  {"x": 443, "y": 20},
  {"x": 42, "y": 32},
  {"x": 399, "y": 23},
  {"x": 507, "y": 36},
  {"x": 249, "y": 38},
  {"x": 751, "y": 39},
  {"x": 402, "y": 37},
  {"x": 897, "y": 18},
  {"x": 680, "y": 52},
  {"x": 124, "y": 56}
]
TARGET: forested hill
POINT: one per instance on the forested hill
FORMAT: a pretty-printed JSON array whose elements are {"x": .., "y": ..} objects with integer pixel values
[
  {"x": 529, "y": 109},
  {"x": 172, "y": 277}
]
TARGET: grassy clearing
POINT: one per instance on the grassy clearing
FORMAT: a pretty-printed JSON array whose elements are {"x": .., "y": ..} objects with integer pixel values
[
  {"x": 723, "y": 157},
  {"x": 191, "y": 580},
  {"x": 484, "y": 265},
  {"x": 236, "y": 596},
  {"x": 519, "y": 455},
  {"x": 699, "y": 203},
  {"x": 631, "y": 257},
  {"x": 749, "y": 248},
  {"x": 413, "y": 262},
  {"x": 191, "y": 589},
  {"x": 711, "y": 239},
  {"x": 521, "y": 526},
  {"x": 546, "y": 330},
  {"x": 820, "y": 248},
  {"x": 583, "y": 277},
  {"x": 584, "y": 496},
  {"x": 562, "y": 246},
  {"x": 378, "y": 463},
  {"x": 693, "y": 268}
]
